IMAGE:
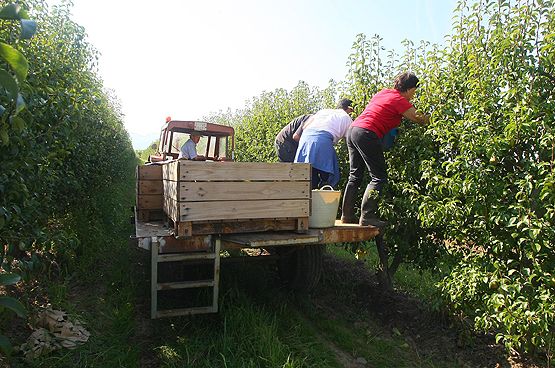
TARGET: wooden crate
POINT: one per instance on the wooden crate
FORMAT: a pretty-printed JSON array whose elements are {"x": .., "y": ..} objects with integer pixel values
[
  {"x": 254, "y": 193},
  {"x": 150, "y": 192}
]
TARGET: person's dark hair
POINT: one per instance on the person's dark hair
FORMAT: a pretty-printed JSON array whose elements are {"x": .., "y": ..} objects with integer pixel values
[
  {"x": 405, "y": 81},
  {"x": 344, "y": 104}
]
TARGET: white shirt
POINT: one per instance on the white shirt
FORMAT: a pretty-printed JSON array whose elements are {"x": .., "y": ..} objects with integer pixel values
[
  {"x": 334, "y": 121},
  {"x": 188, "y": 150}
]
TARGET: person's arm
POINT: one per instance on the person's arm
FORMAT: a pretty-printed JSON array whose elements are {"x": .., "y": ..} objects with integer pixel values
[
  {"x": 194, "y": 156},
  {"x": 299, "y": 131},
  {"x": 416, "y": 116}
]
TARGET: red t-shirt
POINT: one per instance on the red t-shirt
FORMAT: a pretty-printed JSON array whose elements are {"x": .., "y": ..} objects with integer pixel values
[{"x": 383, "y": 112}]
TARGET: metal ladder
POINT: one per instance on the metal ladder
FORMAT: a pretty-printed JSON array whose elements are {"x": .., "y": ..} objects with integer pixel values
[{"x": 155, "y": 286}]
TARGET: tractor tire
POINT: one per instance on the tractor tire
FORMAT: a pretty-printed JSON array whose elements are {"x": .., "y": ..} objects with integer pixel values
[{"x": 301, "y": 268}]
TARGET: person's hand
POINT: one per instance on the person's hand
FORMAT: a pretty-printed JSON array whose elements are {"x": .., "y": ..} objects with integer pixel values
[{"x": 422, "y": 118}]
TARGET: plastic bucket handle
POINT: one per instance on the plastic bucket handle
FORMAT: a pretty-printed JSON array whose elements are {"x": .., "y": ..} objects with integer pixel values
[{"x": 325, "y": 187}]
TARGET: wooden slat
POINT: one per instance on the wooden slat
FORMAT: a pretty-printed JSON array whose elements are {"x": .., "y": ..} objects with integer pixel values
[
  {"x": 171, "y": 244},
  {"x": 170, "y": 171},
  {"x": 153, "y": 278},
  {"x": 256, "y": 240},
  {"x": 216, "y": 289},
  {"x": 171, "y": 209},
  {"x": 185, "y": 285},
  {"x": 150, "y": 187},
  {"x": 184, "y": 312},
  {"x": 197, "y": 211},
  {"x": 184, "y": 229},
  {"x": 347, "y": 233},
  {"x": 150, "y": 201},
  {"x": 184, "y": 170},
  {"x": 174, "y": 257},
  {"x": 229, "y": 191},
  {"x": 149, "y": 172},
  {"x": 171, "y": 189},
  {"x": 150, "y": 229},
  {"x": 244, "y": 226},
  {"x": 150, "y": 215}
]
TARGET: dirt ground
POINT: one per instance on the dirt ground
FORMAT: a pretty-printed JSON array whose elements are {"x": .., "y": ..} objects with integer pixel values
[{"x": 429, "y": 333}]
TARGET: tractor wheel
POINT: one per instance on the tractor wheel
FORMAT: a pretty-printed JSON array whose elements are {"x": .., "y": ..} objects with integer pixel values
[{"x": 301, "y": 268}]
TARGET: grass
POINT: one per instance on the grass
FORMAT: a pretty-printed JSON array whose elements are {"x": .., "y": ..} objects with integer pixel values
[{"x": 417, "y": 283}]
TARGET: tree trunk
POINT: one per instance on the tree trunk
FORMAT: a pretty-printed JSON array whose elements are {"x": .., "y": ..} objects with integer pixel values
[{"x": 383, "y": 268}]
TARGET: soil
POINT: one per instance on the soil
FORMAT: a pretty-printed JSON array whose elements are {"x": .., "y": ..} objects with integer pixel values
[{"x": 350, "y": 289}]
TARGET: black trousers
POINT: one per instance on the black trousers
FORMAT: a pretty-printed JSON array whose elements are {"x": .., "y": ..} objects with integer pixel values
[
  {"x": 286, "y": 151},
  {"x": 365, "y": 151}
]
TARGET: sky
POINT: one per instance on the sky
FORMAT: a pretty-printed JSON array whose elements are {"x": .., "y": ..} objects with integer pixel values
[{"x": 188, "y": 58}]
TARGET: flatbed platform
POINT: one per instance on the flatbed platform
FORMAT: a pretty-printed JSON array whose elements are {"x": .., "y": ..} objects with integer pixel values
[
  {"x": 339, "y": 233},
  {"x": 299, "y": 255}
]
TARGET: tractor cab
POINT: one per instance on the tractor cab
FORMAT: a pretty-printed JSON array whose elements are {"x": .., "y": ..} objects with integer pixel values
[{"x": 216, "y": 142}]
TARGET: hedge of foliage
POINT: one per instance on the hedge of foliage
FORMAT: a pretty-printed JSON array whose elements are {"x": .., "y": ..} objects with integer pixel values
[
  {"x": 478, "y": 184},
  {"x": 65, "y": 153}
]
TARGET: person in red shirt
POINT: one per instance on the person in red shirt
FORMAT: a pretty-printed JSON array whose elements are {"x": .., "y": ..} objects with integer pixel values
[{"x": 383, "y": 113}]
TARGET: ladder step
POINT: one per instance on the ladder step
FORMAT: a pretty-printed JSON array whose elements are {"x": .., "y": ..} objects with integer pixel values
[
  {"x": 184, "y": 284},
  {"x": 185, "y": 311},
  {"x": 185, "y": 257}
]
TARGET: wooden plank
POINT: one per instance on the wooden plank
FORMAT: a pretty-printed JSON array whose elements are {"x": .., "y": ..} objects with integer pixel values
[
  {"x": 184, "y": 312},
  {"x": 150, "y": 215},
  {"x": 150, "y": 229},
  {"x": 256, "y": 240},
  {"x": 170, "y": 171},
  {"x": 150, "y": 201},
  {"x": 171, "y": 244},
  {"x": 153, "y": 279},
  {"x": 244, "y": 226},
  {"x": 171, "y": 189},
  {"x": 216, "y": 289},
  {"x": 302, "y": 224},
  {"x": 171, "y": 209},
  {"x": 150, "y": 187},
  {"x": 228, "y": 191},
  {"x": 222, "y": 210},
  {"x": 149, "y": 172},
  {"x": 175, "y": 257},
  {"x": 348, "y": 233},
  {"x": 185, "y": 170},
  {"x": 185, "y": 284},
  {"x": 184, "y": 229}
]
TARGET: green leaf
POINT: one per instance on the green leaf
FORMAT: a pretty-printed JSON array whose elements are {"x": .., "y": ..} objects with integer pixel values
[
  {"x": 4, "y": 137},
  {"x": 9, "y": 278},
  {"x": 16, "y": 60},
  {"x": 14, "y": 305},
  {"x": 28, "y": 28},
  {"x": 2, "y": 109},
  {"x": 5, "y": 345},
  {"x": 10, "y": 11},
  {"x": 9, "y": 83},
  {"x": 18, "y": 123}
]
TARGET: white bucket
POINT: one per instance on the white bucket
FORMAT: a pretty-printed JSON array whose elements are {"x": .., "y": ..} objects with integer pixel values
[{"x": 324, "y": 207}]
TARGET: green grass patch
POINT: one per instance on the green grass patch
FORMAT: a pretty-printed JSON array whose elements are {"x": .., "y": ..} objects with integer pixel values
[{"x": 420, "y": 284}]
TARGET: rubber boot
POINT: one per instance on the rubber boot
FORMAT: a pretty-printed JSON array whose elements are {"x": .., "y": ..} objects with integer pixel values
[
  {"x": 348, "y": 208},
  {"x": 369, "y": 208}
]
